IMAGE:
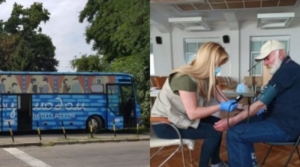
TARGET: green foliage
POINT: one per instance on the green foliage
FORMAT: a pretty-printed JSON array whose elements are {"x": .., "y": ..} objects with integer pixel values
[
  {"x": 22, "y": 45},
  {"x": 1, "y": 1},
  {"x": 118, "y": 28},
  {"x": 7, "y": 48},
  {"x": 26, "y": 20},
  {"x": 120, "y": 31},
  {"x": 88, "y": 63},
  {"x": 145, "y": 105}
]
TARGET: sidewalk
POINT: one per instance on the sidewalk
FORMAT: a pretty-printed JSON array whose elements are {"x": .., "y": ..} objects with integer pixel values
[{"x": 59, "y": 139}]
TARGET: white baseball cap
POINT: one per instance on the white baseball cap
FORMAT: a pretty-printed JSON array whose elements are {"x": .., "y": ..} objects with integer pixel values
[{"x": 269, "y": 47}]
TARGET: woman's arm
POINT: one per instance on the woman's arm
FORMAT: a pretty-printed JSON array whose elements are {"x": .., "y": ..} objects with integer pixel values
[
  {"x": 189, "y": 100},
  {"x": 222, "y": 98},
  {"x": 219, "y": 94}
]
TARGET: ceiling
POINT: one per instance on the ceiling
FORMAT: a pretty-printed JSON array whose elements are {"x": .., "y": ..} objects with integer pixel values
[
  {"x": 199, "y": 15},
  {"x": 200, "y": 5}
]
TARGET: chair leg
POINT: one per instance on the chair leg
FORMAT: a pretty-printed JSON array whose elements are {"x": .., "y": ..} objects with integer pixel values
[
  {"x": 298, "y": 153},
  {"x": 182, "y": 153},
  {"x": 262, "y": 164},
  {"x": 169, "y": 157},
  {"x": 156, "y": 152},
  {"x": 290, "y": 156},
  {"x": 191, "y": 158}
]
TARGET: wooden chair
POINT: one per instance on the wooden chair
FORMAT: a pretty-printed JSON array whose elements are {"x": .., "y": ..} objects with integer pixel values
[{"x": 159, "y": 81}]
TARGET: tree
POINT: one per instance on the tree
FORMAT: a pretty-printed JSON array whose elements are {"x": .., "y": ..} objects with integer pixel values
[
  {"x": 118, "y": 28},
  {"x": 24, "y": 47},
  {"x": 120, "y": 31},
  {"x": 37, "y": 55},
  {"x": 8, "y": 45},
  {"x": 88, "y": 63}
]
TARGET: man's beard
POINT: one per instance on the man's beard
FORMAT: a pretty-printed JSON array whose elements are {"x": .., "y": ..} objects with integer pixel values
[{"x": 276, "y": 65}]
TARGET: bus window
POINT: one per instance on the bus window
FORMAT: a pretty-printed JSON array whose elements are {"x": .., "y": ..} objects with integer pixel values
[{"x": 113, "y": 97}]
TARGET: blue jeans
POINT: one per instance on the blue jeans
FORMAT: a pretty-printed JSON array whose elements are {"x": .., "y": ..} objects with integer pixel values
[
  {"x": 240, "y": 147},
  {"x": 212, "y": 139}
]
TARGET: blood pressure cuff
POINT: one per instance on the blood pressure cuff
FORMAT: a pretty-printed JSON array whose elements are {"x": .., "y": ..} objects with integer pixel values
[{"x": 267, "y": 95}]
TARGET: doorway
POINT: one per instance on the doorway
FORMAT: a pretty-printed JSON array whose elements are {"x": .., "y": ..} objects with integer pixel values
[{"x": 24, "y": 112}]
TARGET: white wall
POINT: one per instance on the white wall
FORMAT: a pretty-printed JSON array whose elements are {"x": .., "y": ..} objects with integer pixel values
[
  {"x": 170, "y": 55},
  {"x": 162, "y": 52}
]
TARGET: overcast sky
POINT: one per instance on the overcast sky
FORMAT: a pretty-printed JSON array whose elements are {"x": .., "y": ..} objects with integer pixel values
[{"x": 63, "y": 27}]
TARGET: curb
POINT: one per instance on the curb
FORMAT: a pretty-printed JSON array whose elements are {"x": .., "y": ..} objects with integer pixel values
[{"x": 69, "y": 142}]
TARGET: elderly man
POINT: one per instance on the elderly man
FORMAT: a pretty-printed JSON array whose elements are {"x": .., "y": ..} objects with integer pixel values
[{"x": 281, "y": 98}]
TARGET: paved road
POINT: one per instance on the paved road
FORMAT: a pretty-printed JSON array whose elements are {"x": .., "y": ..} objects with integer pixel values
[{"x": 125, "y": 154}]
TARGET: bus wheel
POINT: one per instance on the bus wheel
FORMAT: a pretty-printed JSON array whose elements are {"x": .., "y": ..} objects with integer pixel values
[{"x": 96, "y": 123}]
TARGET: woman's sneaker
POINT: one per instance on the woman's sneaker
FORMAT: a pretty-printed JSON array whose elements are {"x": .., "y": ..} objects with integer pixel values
[{"x": 223, "y": 164}]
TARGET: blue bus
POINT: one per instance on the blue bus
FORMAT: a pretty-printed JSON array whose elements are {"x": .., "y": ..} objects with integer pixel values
[{"x": 76, "y": 100}]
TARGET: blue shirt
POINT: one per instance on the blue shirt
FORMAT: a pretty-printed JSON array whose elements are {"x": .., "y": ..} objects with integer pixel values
[{"x": 284, "y": 109}]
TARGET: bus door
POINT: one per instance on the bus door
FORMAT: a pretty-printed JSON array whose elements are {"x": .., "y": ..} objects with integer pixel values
[
  {"x": 120, "y": 102},
  {"x": 128, "y": 105},
  {"x": 114, "y": 114},
  {"x": 24, "y": 112}
]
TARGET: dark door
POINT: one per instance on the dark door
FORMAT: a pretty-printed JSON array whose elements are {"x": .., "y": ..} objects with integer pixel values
[
  {"x": 24, "y": 112},
  {"x": 128, "y": 105},
  {"x": 121, "y": 102}
]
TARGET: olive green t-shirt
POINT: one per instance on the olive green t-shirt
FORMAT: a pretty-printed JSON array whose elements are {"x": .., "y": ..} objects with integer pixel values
[{"x": 182, "y": 82}]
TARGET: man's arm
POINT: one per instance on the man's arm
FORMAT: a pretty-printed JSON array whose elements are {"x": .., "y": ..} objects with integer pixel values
[
  {"x": 222, "y": 125},
  {"x": 254, "y": 108}
]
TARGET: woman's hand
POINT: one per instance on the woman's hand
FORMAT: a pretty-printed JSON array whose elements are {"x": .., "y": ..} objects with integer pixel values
[{"x": 228, "y": 106}]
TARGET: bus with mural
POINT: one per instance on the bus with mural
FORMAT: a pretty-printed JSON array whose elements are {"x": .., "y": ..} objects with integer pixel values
[{"x": 76, "y": 100}]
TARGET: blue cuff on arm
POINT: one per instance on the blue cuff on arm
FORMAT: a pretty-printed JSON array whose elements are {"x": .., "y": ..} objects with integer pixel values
[{"x": 268, "y": 94}]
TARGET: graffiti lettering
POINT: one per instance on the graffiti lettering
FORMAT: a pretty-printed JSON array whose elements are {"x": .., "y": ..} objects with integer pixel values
[
  {"x": 47, "y": 106},
  {"x": 13, "y": 113},
  {"x": 67, "y": 106},
  {"x": 50, "y": 106},
  {"x": 5, "y": 105},
  {"x": 57, "y": 115}
]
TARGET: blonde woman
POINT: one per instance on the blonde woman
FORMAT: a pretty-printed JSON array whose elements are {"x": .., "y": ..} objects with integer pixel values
[{"x": 183, "y": 98}]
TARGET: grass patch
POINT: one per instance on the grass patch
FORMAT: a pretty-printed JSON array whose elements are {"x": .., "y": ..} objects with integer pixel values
[
  {"x": 67, "y": 139},
  {"x": 46, "y": 144}
]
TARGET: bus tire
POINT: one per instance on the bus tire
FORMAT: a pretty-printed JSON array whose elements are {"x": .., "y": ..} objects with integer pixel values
[{"x": 97, "y": 121}]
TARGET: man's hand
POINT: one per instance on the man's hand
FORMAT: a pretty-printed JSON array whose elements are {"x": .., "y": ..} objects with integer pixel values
[
  {"x": 261, "y": 111},
  {"x": 222, "y": 125}
]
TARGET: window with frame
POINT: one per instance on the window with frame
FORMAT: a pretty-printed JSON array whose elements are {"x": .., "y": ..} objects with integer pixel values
[
  {"x": 191, "y": 47},
  {"x": 255, "y": 45}
]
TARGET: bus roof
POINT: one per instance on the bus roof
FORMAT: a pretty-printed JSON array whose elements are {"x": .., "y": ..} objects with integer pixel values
[{"x": 62, "y": 73}]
